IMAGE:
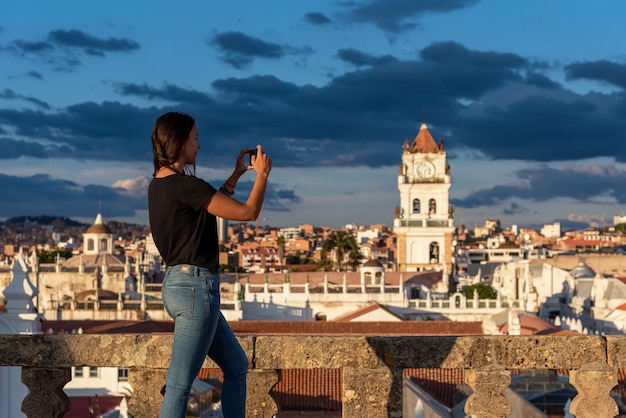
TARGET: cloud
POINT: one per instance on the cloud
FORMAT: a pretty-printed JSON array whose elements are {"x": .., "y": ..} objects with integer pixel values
[
  {"x": 137, "y": 186},
  {"x": 41, "y": 194},
  {"x": 61, "y": 48},
  {"x": 9, "y": 94},
  {"x": 485, "y": 102},
  {"x": 580, "y": 184},
  {"x": 89, "y": 44},
  {"x": 239, "y": 49},
  {"x": 396, "y": 16},
  {"x": 317, "y": 18},
  {"x": 603, "y": 70},
  {"x": 360, "y": 59}
]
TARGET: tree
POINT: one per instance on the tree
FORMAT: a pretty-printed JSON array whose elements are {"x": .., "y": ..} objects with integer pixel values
[
  {"x": 340, "y": 244},
  {"x": 484, "y": 291},
  {"x": 281, "y": 249}
]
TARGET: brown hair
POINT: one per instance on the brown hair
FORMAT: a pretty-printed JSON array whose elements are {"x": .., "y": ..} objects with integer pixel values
[{"x": 169, "y": 134}]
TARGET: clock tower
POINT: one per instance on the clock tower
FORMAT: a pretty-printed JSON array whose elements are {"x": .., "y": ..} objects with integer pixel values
[{"x": 424, "y": 222}]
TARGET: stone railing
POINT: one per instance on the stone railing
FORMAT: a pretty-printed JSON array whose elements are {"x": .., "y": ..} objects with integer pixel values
[{"x": 371, "y": 368}]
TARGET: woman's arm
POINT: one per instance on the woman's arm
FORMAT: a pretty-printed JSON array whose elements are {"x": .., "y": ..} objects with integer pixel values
[{"x": 225, "y": 207}]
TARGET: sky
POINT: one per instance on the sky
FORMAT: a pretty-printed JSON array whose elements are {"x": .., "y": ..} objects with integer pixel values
[{"x": 529, "y": 98}]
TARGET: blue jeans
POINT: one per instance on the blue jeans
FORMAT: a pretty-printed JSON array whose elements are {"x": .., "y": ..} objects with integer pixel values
[{"x": 191, "y": 297}]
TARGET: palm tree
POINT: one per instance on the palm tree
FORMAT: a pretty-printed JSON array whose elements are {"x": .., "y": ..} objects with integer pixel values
[
  {"x": 281, "y": 249},
  {"x": 341, "y": 243}
]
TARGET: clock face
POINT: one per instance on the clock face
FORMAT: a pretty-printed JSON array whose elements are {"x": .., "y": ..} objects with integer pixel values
[{"x": 425, "y": 170}]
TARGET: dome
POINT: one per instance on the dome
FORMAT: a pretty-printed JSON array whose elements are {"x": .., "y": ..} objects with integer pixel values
[
  {"x": 99, "y": 227},
  {"x": 582, "y": 271}
]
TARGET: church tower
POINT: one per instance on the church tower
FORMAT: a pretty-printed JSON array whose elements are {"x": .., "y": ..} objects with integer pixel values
[
  {"x": 98, "y": 239},
  {"x": 424, "y": 222}
]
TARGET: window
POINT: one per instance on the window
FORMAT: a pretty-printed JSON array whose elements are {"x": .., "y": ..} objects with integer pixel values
[
  {"x": 78, "y": 372},
  {"x": 90, "y": 244},
  {"x": 93, "y": 372},
  {"x": 416, "y": 206},
  {"x": 103, "y": 244},
  {"x": 434, "y": 253},
  {"x": 432, "y": 206},
  {"x": 122, "y": 375}
]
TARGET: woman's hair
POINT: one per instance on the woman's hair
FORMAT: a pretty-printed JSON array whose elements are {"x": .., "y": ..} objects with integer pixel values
[{"x": 169, "y": 134}]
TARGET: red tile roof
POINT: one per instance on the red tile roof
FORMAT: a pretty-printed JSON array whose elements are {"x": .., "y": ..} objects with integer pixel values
[
  {"x": 424, "y": 142},
  {"x": 277, "y": 327},
  {"x": 363, "y": 311}
]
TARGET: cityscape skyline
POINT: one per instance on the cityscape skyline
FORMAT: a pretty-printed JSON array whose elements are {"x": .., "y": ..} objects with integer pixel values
[{"x": 534, "y": 130}]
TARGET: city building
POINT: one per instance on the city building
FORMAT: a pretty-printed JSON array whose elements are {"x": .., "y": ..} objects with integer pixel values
[{"x": 424, "y": 222}]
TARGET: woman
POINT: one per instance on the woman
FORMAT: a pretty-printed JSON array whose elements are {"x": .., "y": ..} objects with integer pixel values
[{"x": 182, "y": 211}]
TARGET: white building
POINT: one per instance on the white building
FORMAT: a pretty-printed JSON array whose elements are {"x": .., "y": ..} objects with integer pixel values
[
  {"x": 619, "y": 219},
  {"x": 424, "y": 221},
  {"x": 551, "y": 230}
]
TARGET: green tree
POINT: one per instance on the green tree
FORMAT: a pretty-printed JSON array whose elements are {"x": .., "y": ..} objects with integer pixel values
[
  {"x": 484, "y": 291},
  {"x": 281, "y": 249},
  {"x": 47, "y": 257},
  {"x": 324, "y": 265},
  {"x": 339, "y": 243}
]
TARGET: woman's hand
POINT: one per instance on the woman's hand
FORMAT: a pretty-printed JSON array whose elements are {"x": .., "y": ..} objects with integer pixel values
[
  {"x": 242, "y": 166},
  {"x": 261, "y": 162}
]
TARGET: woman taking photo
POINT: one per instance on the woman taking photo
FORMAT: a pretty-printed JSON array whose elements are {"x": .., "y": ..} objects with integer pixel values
[{"x": 182, "y": 210}]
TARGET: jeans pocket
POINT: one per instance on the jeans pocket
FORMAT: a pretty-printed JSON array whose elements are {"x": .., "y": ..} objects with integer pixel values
[{"x": 178, "y": 300}]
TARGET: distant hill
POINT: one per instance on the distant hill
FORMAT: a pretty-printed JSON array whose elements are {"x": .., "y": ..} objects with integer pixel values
[{"x": 45, "y": 220}]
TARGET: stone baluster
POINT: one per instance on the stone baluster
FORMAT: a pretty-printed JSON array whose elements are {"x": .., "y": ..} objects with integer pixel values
[
  {"x": 45, "y": 398},
  {"x": 487, "y": 400},
  {"x": 594, "y": 382},
  {"x": 259, "y": 402},
  {"x": 369, "y": 393},
  {"x": 147, "y": 397}
]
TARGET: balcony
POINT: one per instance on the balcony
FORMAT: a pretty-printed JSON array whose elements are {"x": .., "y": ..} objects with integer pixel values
[{"x": 371, "y": 368}]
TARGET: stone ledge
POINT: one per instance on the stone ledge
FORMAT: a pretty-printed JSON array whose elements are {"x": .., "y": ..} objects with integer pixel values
[{"x": 372, "y": 367}]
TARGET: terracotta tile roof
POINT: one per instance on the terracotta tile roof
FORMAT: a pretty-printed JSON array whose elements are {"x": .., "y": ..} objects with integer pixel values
[
  {"x": 357, "y": 328},
  {"x": 363, "y": 311},
  {"x": 424, "y": 142},
  {"x": 277, "y": 327},
  {"x": 447, "y": 386},
  {"x": 108, "y": 327},
  {"x": 533, "y": 325}
]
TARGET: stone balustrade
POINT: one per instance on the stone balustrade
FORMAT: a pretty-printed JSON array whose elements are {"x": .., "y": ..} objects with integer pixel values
[{"x": 371, "y": 368}]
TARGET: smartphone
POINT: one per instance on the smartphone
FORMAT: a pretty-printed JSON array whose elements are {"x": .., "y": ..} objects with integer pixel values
[{"x": 250, "y": 154}]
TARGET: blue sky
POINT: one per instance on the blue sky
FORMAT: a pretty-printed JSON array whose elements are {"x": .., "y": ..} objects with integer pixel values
[{"x": 529, "y": 98}]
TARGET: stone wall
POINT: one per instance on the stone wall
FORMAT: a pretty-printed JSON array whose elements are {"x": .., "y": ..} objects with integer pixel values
[{"x": 371, "y": 368}]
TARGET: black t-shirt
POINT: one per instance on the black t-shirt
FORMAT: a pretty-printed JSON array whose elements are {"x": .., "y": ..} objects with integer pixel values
[{"x": 183, "y": 231}]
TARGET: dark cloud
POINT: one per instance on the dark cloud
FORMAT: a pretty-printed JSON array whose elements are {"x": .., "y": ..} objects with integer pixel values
[
  {"x": 397, "y": 16},
  {"x": 107, "y": 131},
  {"x": 453, "y": 53},
  {"x": 15, "y": 149},
  {"x": 540, "y": 80},
  {"x": 480, "y": 101},
  {"x": 90, "y": 44},
  {"x": 42, "y": 194},
  {"x": 539, "y": 128},
  {"x": 239, "y": 49},
  {"x": 582, "y": 185},
  {"x": 34, "y": 74},
  {"x": 317, "y": 18},
  {"x": 514, "y": 208},
  {"x": 603, "y": 70},
  {"x": 360, "y": 58},
  {"x": 61, "y": 48},
  {"x": 9, "y": 94}
]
